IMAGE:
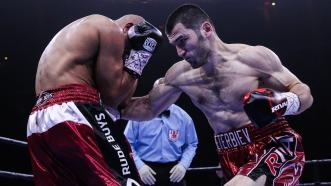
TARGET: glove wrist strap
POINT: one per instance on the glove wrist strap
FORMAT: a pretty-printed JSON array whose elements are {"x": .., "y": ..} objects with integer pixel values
[
  {"x": 136, "y": 62},
  {"x": 293, "y": 103}
]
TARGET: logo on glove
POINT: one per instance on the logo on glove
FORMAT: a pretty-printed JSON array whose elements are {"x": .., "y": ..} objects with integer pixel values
[
  {"x": 150, "y": 44},
  {"x": 279, "y": 106}
]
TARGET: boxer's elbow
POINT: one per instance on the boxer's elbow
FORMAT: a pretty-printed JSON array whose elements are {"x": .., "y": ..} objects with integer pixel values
[
  {"x": 310, "y": 100},
  {"x": 306, "y": 98}
]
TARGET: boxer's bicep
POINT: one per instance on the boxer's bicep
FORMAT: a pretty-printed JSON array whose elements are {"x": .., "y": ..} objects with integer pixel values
[
  {"x": 278, "y": 77},
  {"x": 162, "y": 96},
  {"x": 149, "y": 106},
  {"x": 159, "y": 98},
  {"x": 293, "y": 84},
  {"x": 285, "y": 78},
  {"x": 267, "y": 66},
  {"x": 165, "y": 92}
]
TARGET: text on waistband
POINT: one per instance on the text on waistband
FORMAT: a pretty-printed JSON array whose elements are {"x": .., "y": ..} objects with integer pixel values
[{"x": 232, "y": 139}]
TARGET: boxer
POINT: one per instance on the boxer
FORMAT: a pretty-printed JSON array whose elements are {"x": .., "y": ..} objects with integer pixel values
[
  {"x": 256, "y": 145},
  {"x": 88, "y": 69}
]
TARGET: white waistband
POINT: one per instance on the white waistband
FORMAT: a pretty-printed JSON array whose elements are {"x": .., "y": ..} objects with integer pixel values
[{"x": 42, "y": 120}]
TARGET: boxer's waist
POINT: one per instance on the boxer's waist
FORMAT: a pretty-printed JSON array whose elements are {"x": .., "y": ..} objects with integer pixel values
[
  {"x": 67, "y": 93},
  {"x": 248, "y": 134}
]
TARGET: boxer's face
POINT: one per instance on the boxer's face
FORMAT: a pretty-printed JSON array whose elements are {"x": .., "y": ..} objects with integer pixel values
[{"x": 190, "y": 45}]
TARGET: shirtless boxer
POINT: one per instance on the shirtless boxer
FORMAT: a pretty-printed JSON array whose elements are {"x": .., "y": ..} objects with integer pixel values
[
  {"x": 71, "y": 135},
  {"x": 256, "y": 147}
]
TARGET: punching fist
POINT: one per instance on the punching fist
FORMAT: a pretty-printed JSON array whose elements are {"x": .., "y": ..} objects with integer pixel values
[
  {"x": 264, "y": 106},
  {"x": 144, "y": 39}
]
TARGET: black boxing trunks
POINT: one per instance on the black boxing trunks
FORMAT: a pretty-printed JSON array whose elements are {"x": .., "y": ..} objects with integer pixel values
[
  {"x": 73, "y": 140},
  {"x": 274, "y": 150}
]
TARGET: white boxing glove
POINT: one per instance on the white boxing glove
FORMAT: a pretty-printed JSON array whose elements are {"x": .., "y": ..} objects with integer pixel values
[
  {"x": 177, "y": 173},
  {"x": 146, "y": 175}
]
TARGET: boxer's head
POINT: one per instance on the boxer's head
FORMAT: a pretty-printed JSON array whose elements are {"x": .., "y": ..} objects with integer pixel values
[
  {"x": 189, "y": 29},
  {"x": 126, "y": 21}
]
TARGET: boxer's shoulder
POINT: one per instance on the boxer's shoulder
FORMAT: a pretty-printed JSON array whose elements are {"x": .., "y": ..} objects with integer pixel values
[
  {"x": 177, "y": 69},
  {"x": 100, "y": 23},
  {"x": 95, "y": 18},
  {"x": 106, "y": 30},
  {"x": 260, "y": 58}
]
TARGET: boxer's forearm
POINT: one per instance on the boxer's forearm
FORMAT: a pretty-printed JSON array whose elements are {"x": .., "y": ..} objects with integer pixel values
[
  {"x": 138, "y": 109},
  {"x": 149, "y": 106}
]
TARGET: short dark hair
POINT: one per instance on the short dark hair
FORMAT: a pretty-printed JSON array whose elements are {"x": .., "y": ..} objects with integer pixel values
[{"x": 190, "y": 15}]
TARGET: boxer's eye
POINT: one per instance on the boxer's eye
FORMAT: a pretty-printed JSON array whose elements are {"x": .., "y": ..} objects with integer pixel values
[{"x": 182, "y": 41}]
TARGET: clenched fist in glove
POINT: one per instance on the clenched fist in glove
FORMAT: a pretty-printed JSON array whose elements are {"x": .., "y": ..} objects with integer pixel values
[
  {"x": 146, "y": 175},
  {"x": 177, "y": 173},
  {"x": 144, "y": 39},
  {"x": 264, "y": 105}
]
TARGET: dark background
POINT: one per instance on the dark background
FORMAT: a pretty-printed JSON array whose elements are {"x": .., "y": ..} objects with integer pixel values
[{"x": 298, "y": 31}]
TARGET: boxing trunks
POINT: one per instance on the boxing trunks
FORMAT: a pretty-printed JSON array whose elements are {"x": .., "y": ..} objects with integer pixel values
[
  {"x": 274, "y": 150},
  {"x": 73, "y": 140}
]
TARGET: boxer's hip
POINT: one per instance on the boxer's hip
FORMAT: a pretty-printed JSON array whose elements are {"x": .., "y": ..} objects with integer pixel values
[
  {"x": 250, "y": 134},
  {"x": 241, "y": 146},
  {"x": 59, "y": 105},
  {"x": 67, "y": 93}
]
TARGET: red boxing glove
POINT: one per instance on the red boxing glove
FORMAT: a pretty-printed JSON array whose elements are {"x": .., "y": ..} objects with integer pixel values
[{"x": 264, "y": 105}]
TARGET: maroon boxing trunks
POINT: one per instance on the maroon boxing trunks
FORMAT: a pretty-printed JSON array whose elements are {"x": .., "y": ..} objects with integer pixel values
[
  {"x": 274, "y": 150},
  {"x": 73, "y": 140}
]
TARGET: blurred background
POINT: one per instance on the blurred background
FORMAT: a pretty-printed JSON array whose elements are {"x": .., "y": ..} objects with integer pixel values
[{"x": 298, "y": 31}]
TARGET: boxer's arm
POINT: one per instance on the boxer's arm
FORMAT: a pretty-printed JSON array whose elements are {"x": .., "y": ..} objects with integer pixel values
[
  {"x": 159, "y": 98},
  {"x": 149, "y": 106},
  {"x": 276, "y": 76},
  {"x": 110, "y": 76}
]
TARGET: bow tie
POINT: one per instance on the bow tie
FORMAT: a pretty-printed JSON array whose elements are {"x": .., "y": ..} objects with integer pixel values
[{"x": 165, "y": 113}]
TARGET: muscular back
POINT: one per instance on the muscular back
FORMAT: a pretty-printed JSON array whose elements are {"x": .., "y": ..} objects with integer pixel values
[
  {"x": 68, "y": 58},
  {"x": 87, "y": 51}
]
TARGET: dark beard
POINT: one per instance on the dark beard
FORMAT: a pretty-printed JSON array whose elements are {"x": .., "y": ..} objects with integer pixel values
[{"x": 202, "y": 54}]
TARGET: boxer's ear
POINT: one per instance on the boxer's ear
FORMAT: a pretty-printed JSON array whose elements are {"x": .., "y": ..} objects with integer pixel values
[
  {"x": 206, "y": 29},
  {"x": 127, "y": 27}
]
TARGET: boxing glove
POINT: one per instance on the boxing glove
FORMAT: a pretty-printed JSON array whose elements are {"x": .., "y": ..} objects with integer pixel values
[
  {"x": 263, "y": 105},
  {"x": 144, "y": 39}
]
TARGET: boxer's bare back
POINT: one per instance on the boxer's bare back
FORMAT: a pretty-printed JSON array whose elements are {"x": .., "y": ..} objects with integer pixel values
[{"x": 87, "y": 51}]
